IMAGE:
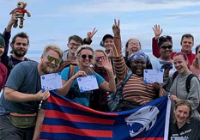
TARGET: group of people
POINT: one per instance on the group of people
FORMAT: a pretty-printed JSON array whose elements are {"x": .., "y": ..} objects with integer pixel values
[{"x": 23, "y": 103}]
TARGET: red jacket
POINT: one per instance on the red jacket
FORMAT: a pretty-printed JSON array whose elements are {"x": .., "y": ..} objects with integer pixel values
[
  {"x": 3, "y": 75},
  {"x": 156, "y": 51}
]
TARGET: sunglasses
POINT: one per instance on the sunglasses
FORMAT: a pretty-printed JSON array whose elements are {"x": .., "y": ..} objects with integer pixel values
[
  {"x": 134, "y": 44},
  {"x": 23, "y": 44},
  {"x": 165, "y": 47},
  {"x": 51, "y": 58},
  {"x": 84, "y": 56},
  {"x": 98, "y": 58}
]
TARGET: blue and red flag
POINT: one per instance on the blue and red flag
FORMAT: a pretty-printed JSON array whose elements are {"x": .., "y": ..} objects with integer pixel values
[{"x": 67, "y": 120}]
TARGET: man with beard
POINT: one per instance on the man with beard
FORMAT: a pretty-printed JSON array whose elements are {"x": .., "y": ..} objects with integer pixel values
[
  {"x": 19, "y": 45},
  {"x": 20, "y": 100}
]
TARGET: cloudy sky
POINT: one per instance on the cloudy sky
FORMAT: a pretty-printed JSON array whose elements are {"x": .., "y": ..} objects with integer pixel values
[{"x": 53, "y": 21}]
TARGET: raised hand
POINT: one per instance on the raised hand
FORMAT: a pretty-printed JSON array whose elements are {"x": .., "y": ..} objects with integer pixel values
[
  {"x": 106, "y": 64},
  {"x": 157, "y": 31},
  {"x": 116, "y": 27},
  {"x": 91, "y": 34}
]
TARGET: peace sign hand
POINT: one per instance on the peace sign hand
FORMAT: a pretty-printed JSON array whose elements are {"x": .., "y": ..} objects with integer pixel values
[
  {"x": 116, "y": 27},
  {"x": 91, "y": 34}
]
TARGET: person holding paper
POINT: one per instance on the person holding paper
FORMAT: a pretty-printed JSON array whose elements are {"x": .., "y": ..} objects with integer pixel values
[
  {"x": 177, "y": 86},
  {"x": 71, "y": 88},
  {"x": 135, "y": 92},
  {"x": 20, "y": 100},
  {"x": 183, "y": 125}
]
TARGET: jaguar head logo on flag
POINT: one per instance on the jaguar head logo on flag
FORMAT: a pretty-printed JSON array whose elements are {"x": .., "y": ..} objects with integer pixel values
[{"x": 144, "y": 118}]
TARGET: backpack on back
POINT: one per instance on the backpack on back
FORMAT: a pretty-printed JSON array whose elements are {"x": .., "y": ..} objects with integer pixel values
[{"x": 187, "y": 84}]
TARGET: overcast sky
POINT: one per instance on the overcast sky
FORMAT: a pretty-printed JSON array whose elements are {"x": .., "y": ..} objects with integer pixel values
[{"x": 53, "y": 21}]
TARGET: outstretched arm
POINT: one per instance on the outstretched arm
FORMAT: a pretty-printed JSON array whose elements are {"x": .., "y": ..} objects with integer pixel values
[
  {"x": 117, "y": 38},
  {"x": 157, "y": 33},
  {"x": 88, "y": 39}
]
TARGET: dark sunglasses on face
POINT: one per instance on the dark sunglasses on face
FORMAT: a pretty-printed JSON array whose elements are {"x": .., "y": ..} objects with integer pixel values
[
  {"x": 165, "y": 47},
  {"x": 51, "y": 58},
  {"x": 84, "y": 56},
  {"x": 23, "y": 44},
  {"x": 98, "y": 58}
]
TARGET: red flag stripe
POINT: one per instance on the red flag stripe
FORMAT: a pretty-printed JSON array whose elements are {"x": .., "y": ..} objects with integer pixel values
[
  {"x": 81, "y": 132},
  {"x": 77, "y": 118},
  {"x": 59, "y": 101}
]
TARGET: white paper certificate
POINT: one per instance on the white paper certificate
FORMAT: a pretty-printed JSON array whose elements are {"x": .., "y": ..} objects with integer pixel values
[
  {"x": 87, "y": 83},
  {"x": 151, "y": 76},
  {"x": 51, "y": 81}
]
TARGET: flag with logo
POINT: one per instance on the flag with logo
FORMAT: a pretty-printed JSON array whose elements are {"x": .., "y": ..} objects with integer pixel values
[{"x": 66, "y": 120}]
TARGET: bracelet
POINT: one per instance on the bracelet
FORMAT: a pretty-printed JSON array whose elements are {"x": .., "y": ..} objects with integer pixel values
[{"x": 117, "y": 37}]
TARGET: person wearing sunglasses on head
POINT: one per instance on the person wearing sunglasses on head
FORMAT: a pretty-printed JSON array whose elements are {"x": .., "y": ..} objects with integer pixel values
[
  {"x": 19, "y": 103},
  {"x": 19, "y": 46},
  {"x": 135, "y": 92},
  {"x": 187, "y": 42},
  {"x": 98, "y": 99},
  {"x": 70, "y": 87}
]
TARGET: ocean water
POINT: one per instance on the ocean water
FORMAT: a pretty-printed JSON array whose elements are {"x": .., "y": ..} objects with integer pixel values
[{"x": 36, "y": 54}]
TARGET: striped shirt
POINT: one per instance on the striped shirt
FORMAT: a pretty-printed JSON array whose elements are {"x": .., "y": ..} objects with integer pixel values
[{"x": 135, "y": 90}]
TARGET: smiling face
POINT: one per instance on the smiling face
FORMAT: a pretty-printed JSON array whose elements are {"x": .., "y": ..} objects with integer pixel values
[
  {"x": 181, "y": 114},
  {"x": 73, "y": 46},
  {"x": 108, "y": 44},
  {"x": 138, "y": 66},
  {"x": 187, "y": 44},
  {"x": 85, "y": 58},
  {"x": 20, "y": 46},
  {"x": 48, "y": 67},
  {"x": 133, "y": 46},
  {"x": 98, "y": 59},
  {"x": 166, "y": 50},
  {"x": 180, "y": 64}
]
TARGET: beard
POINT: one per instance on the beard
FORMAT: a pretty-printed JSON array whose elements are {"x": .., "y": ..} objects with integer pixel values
[
  {"x": 47, "y": 68},
  {"x": 19, "y": 52}
]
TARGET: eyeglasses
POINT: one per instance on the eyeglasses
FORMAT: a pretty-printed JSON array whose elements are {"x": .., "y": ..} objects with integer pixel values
[
  {"x": 99, "y": 58},
  {"x": 134, "y": 44},
  {"x": 51, "y": 58},
  {"x": 74, "y": 44},
  {"x": 84, "y": 56},
  {"x": 23, "y": 44},
  {"x": 165, "y": 47}
]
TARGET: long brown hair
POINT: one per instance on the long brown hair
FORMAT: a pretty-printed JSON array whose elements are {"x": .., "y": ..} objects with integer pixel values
[{"x": 196, "y": 62}]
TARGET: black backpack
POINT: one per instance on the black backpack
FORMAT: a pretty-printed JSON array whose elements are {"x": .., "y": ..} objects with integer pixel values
[{"x": 187, "y": 84}]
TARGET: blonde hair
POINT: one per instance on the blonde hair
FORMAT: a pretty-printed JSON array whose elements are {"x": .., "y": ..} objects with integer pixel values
[
  {"x": 182, "y": 103},
  {"x": 54, "y": 48},
  {"x": 84, "y": 47},
  {"x": 100, "y": 50}
]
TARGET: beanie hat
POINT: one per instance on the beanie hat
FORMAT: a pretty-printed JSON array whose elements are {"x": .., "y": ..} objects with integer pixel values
[
  {"x": 2, "y": 41},
  {"x": 164, "y": 38}
]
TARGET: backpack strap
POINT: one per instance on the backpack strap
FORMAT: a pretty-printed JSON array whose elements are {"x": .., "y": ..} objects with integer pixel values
[
  {"x": 72, "y": 69},
  {"x": 124, "y": 82},
  {"x": 188, "y": 81},
  {"x": 174, "y": 76}
]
